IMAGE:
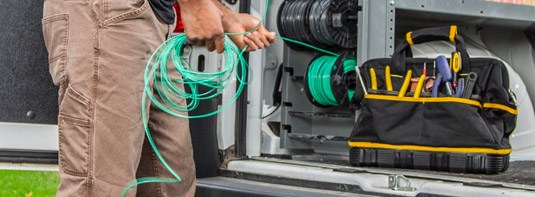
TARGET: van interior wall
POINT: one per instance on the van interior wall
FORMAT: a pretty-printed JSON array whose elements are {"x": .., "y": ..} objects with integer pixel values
[{"x": 486, "y": 38}]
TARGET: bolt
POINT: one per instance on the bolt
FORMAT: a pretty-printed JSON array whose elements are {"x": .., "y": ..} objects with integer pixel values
[
  {"x": 30, "y": 115},
  {"x": 392, "y": 2}
]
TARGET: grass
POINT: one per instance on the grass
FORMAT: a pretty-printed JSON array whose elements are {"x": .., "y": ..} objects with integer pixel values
[{"x": 28, "y": 183}]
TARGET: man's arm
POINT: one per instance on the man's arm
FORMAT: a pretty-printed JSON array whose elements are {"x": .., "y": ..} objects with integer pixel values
[
  {"x": 203, "y": 25},
  {"x": 206, "y": 21},
  {"x": 237, "y": 23}
]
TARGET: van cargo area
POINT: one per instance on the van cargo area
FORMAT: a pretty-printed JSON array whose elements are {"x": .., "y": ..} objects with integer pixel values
[{"x": 276, "y": 140}]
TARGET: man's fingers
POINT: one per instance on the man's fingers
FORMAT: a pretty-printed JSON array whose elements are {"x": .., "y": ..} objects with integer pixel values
[
  {"x": 255, "y": 38},
  {"x": 262, "y": 34},
  {"x": 271, "y": 37},
  {"x": 238, "y": 40},
  {"x": 210, "y": 45},
  {"x": 220, "y": 44},
  {"x": 193, "y": 42},
  {"x": 252, "y": 45}
]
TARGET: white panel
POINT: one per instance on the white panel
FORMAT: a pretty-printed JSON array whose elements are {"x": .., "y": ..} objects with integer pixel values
[
  {"x": 27, "y": 166},
  {"x": 28, "y": 136},
  {"x": 255, "y": 99}
]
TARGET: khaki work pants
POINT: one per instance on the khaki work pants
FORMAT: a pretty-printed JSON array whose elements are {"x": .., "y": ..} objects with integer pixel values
[{"x": 97, "y": 55}]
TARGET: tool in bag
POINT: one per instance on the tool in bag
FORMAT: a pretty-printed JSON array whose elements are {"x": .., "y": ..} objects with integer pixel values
[{"x": 458, "y": 128}]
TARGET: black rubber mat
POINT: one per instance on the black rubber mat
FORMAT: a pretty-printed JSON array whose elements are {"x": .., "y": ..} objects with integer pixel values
[{"x": 27, "y": 93}]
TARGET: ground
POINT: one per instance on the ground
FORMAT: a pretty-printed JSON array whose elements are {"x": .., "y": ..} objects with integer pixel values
[{"x": 28, "y": 183}]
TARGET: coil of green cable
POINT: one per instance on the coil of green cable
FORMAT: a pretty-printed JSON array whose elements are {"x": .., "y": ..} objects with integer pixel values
[
  {"x": 164, "y": 91},
  {"x": 325, "y": 80},
  {"x": 168, "y": 95}
]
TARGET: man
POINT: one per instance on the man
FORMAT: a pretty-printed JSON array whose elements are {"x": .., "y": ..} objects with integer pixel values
[{"x": 97, "y": 54}]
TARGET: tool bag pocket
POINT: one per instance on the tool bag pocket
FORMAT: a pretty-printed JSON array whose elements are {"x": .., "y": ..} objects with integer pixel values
[{"x": 406, "y": 127}]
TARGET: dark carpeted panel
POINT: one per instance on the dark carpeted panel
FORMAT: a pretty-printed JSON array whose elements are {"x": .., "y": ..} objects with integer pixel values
[{"x": 25, "y": 83}]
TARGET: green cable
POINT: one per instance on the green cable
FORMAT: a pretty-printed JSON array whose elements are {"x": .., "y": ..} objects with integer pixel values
[
  {"x": 350, "y": 65},
  {"x": 319, "y": 79},
  {"x": 168, "y": 89}
]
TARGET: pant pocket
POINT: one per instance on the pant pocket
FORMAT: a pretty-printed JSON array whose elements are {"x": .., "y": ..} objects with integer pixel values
[
  {"x": 74, "y": 129},
  {"x": 110, "y": 11},
  {"x": 55, "y": 34}
]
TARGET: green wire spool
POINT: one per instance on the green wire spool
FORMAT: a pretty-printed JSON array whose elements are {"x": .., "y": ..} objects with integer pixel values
[{"x": 330, "y": 80}]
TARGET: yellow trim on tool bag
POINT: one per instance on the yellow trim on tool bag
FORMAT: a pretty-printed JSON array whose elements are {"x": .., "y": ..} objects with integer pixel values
[
  {"x": 424, "y": 100},
  {"x": 429, "y": 148},
  {"x": 453, "y": 33},
  {"x": 409, "y": 38},
  {"x": 502, "y": 107},
  {"x": 397, "y": 76},
  {"x": 373, "y": 77},
  {"x": 388, "y": 79}
]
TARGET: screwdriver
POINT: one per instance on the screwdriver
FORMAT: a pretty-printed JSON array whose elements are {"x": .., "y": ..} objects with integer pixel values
[
  {"x": 388, "y": 78},
  {"x": 456, "y": 66},
  {"x": 444, "y": 70},
  {"x": 405, "y": 85}
]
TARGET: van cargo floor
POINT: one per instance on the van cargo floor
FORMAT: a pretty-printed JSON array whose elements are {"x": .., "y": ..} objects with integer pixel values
[
  {"x": 519, "y": 172},
  {"x": 330, "y": 173}
]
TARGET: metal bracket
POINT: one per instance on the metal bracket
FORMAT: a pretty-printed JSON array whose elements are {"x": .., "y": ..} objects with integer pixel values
[{"x": 399, "y": 183}]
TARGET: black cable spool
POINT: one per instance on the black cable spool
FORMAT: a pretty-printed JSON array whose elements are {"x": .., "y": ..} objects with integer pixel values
[
  {"x": 293, "y": 22},
  {"x": 322, "y": 23},
  {"x": 340, "y": 81},
  {"x": 342, "y": 22}
]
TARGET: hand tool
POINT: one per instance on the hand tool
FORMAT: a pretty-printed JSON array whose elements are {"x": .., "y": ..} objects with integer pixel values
[
  {"x": 425, "y": 69},
  {"x": 388, "y": 79},
  {"x": 460, "y": 88},
  {"x": 373, "y": 78},
  {"x": 469, "y": 85},
  {"x": 434, "y": 69},
  {"x": 428, "y": 84},
  {"x": 405, "y": 85},
  {"x": 413, "y": 84},
  {"x": 456, "y": 66},
  {"x": 415, "y": 81},
  {"x": 362, "y": 82},
  {"x": 444, "y": 69},
  {"x": 436, "y": 85},
  {"x": 418, "y": 90}
]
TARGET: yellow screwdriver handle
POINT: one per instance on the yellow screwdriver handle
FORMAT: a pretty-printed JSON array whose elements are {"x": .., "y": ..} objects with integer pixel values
[
  {"x": 373, "y": 77},
  {"x": 388, "y": 79},
  {"x": 456, "y": 60},
  {"x": 419, "y": 86},
  {"x": 406, "y": 84}
]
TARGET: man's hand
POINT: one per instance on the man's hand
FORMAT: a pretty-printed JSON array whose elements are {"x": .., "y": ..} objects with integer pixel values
[
  {"x": 203, "y": 25},
  {"x": 239, "y": 23}
]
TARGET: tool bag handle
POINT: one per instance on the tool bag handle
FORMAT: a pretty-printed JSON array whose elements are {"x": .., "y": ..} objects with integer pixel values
[{"x": 403, "y": 51}]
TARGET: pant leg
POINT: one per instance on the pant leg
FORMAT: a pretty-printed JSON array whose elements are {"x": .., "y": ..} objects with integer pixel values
[
  {"x": 173, "y": 140},
  {"x": 171, "y": 136},
  {"x": 129, "y": 32},
  {"x": 71, "y": 63},
  {"x": 98, "y": 50}
]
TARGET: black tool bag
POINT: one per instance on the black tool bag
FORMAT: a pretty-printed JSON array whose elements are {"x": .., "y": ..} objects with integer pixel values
[{"x": 445, "y": 133}]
